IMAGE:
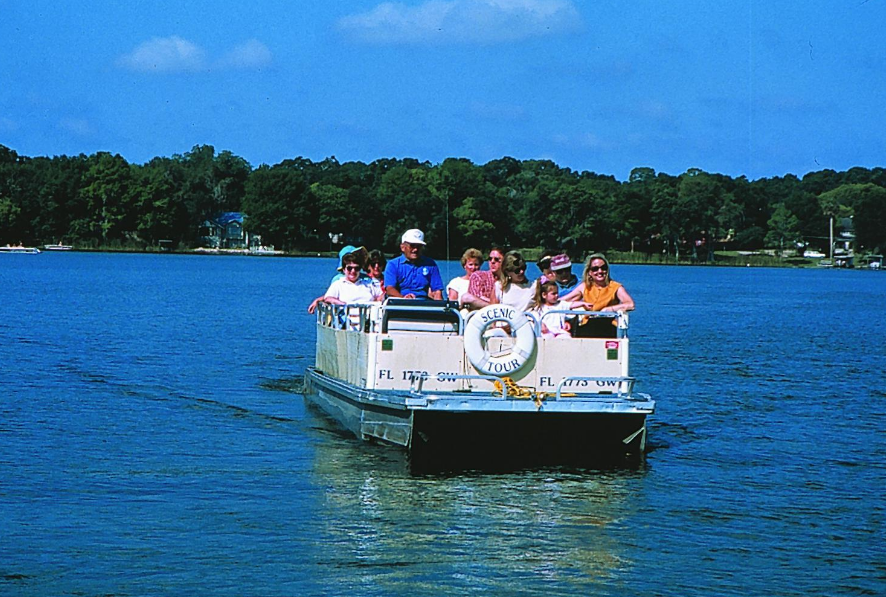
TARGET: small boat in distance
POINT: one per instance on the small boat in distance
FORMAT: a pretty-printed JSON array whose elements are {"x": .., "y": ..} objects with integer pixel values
[
  {"x": 263, "y": 250},
  {"x": 19, "y": 249},
  {"x": 57, "y": 247}
]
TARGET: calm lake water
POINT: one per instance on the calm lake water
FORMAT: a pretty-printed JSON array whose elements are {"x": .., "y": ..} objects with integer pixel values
[{"x": 151, "y": 443}]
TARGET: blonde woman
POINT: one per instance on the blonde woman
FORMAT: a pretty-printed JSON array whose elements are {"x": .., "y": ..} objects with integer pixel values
[
  {"x": 471, "y": 261},
  {"x": 514, "y": 288},
  {"x": 600, "y": 293}
]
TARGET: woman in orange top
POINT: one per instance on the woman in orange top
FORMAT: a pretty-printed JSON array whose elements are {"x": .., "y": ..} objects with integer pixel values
[
  {"x": 598, "y": 290},
  {"x": 599, "y": 293}
]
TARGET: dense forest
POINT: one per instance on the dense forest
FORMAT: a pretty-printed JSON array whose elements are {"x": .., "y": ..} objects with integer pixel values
[{"x": 101, "y": 200}]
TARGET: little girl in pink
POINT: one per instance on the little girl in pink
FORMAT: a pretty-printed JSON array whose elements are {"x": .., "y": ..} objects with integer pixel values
[{"x": 547, "y": 298}]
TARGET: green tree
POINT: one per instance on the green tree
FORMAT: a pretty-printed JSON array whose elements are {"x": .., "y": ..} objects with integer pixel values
[
  {"x": 467, "y": 199},
  {"x": 334, "y": 214},
  {"x": 279, "y": 208},
  {"x": 867, "y": 203},
  {"x": 161, "y": 214},
  {"x": 9, "y": 220},
  {"x": 783, "y": 228},
  {"x": 475, "y": 230},
  {"x": 870, "y": 218},
  {"x": 109, "y": 196},
  {"x": 57, "y": 187},
  {"x": 405, "y": 200}
]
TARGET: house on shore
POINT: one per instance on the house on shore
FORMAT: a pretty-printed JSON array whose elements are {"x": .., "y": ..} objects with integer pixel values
[{"x": 226, "y": 231}]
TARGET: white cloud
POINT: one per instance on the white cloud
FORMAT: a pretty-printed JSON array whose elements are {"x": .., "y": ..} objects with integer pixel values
[
  {"x": 165, "y": 54},
  {"x": 462, "y": 21},
  {"x": 248, "y": 55},
  {"x": 77, "y": 126},
  {"x": 175, "y": 55},
  {"x": 7, "y": 125}
]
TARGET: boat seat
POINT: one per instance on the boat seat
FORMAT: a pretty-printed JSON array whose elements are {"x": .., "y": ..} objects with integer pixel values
[{"x": 416, "y": 315}]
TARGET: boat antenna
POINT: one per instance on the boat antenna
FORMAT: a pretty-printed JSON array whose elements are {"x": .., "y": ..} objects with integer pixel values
[{"x": 448, "y": 258}]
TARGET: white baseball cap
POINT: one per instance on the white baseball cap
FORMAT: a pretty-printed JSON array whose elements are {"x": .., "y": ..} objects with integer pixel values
[{"x": 414, "y": 236}]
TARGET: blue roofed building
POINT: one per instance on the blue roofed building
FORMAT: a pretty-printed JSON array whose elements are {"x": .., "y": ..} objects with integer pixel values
[{"x": 226, "y": 231}]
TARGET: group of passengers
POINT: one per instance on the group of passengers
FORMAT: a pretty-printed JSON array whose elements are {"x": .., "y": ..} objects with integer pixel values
[{"x": 365, "y": 277}]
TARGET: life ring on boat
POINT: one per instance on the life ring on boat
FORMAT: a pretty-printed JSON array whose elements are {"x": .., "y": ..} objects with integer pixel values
[{"x": 499, "y": 365}]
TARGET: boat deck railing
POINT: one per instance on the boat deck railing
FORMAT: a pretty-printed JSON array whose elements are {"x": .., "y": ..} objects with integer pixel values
[
  {"x": 393, "y": 315},
  {"x": 406, "y": 315},
  {"x": 354, "y": 317},
  {"x": 621, "y": 318},
  {"x": 409, "y": 315}
]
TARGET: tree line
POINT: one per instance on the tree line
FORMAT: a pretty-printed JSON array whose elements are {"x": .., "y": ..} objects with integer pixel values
[{"x": 101, "y": 200}]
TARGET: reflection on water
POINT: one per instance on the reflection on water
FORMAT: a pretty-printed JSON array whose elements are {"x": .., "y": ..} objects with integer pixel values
[{"x": 398, "y": 530}]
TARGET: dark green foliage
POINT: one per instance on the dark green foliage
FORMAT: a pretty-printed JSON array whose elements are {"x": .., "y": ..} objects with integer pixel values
[{"x": 298, "y": 204}]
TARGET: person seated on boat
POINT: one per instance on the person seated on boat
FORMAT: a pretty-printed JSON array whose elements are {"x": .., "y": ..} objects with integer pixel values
[
  {"x": 481, "y": 284},
  {"x": 412, "y": 275},
  {"x": 352, "y": 288},
  {"x": 471, "y": 261},
  {"x": 544, "y": 266},
  {"x": 561, "y": 266},
  {"x": 599, "y": 293},
  {"x": 375, "y": 268},
  {"x": 358, "y": 253},
  {"x": 514, "y": 288},
  {"x": 547, "y": 299}
]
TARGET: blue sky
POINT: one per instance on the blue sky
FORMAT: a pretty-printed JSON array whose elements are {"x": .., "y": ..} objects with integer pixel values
[{"x": 737, "y": 87}]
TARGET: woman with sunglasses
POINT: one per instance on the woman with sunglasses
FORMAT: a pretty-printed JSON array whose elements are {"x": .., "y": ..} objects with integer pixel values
[
  {"x": 598, "y": 290},
  {"x": 358, "y": 253},
  {"x": 352, "y": 287},
  {"x": 481, "y": 284},
  {"x": 514, "y": 288},
  {"x": 599, "y": 293}
]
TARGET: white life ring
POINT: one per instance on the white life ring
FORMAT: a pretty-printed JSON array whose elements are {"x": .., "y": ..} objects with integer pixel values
[{"x": 500, "y": 365}]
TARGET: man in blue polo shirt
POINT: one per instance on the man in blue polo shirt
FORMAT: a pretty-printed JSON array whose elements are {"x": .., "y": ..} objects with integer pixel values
[{"x": 412, "y": 275}]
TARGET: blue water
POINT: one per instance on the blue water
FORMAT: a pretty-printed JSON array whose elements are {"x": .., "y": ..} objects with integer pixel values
[{"x": 151, "y": 443}]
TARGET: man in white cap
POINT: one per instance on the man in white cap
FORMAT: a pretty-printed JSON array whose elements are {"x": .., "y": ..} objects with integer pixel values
[{"x": 411, "y": 275}]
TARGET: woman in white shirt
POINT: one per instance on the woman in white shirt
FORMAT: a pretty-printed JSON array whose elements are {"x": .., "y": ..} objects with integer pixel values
[
  {"x": 515, "y": 289},
  {"x": 471, "y": 261},
  {"x": 351, "y": 288}
]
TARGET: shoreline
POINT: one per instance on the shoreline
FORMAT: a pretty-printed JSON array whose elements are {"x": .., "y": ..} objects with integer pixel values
[{"x": 615, "y": 257}]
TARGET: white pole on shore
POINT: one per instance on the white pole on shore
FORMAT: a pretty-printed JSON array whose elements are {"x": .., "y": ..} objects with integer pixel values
[{"x": 832, "y": 239}]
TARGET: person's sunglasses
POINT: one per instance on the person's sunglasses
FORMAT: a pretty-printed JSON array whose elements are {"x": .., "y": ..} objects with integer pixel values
[
  {"x": 597, "y": 268},
  {"x": 495, "y": 259},
  {"x": 352, "y": 268},
  {"x": 375, "y": 265}
]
